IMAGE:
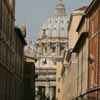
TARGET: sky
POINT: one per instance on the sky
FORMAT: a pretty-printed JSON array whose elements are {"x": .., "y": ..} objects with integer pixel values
[{"x": 33, "y": 13}]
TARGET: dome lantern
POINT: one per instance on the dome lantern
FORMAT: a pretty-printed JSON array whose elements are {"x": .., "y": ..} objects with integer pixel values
[{"x": 60, "y": 9}]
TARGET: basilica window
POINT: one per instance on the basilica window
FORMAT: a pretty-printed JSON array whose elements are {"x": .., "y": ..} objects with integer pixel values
[
  {"x": 44, "y": 61},
  {"x": 53, "y": 49},
  {"x": 45, "y": 49},
  {"x": 61, "y": 49}
]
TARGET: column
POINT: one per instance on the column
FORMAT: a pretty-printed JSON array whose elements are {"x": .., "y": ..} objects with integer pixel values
[
  {"x": 51, "y": 93},
  {"x": 47, "y": 94},
  {"x": 57, "y": 49}
]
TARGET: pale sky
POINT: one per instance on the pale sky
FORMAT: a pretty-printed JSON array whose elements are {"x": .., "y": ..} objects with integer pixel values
[{"x": 33, "y": 13}]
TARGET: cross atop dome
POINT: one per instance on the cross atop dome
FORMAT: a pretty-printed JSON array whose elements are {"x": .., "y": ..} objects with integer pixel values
[{"x": 60, "y": 8}]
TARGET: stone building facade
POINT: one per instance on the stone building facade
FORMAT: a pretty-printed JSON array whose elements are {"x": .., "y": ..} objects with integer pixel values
[
  {"x": 93, "y": 27},
  {"x": 70, "y": 62},
  {"x": 89, "y": 25},
  {"x": 87, "y": 55},
  {"x": 11, "y": 52},
  {"x": 7, "y": 81},
  {"x": 81, "y": 50},
  {"x": 50, "y": 45},
  {"x": 59, "y": 81},
  {"x": 73, "y": 23}
]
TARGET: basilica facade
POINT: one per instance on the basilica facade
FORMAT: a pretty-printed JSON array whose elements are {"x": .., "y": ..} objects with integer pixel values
[{"x": 50, "y": 45}]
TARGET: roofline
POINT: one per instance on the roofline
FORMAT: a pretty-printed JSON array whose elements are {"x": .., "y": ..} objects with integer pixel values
[
  {"x": 74, "y": 14},
  {"x": 92, "y": 4},
  {"x": 82, "y": 8},
  {"x": 83, "y": 17},
  {"x": 86, "y": 12}
]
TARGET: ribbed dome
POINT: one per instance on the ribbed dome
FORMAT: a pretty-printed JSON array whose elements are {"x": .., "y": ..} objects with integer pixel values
[
  {"x": 52, "y": 38},
  {"x": 54, "y": 27}
]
